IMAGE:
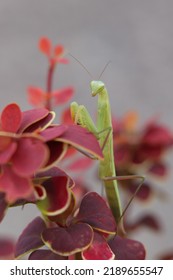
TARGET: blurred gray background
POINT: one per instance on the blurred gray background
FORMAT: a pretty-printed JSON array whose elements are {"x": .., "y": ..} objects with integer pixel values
[{"x": 136, "y": 35}]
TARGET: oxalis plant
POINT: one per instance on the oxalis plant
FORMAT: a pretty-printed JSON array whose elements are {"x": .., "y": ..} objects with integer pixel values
[{"x": 74, "y": 223}]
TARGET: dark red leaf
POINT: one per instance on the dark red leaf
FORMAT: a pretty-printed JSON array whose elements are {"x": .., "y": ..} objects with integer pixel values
[
  {"x": 14, "y": 186},
  {"x": 62, "y": 219},
  {"x": 57, "y": 150},
  {"x": 53, "y": 132},
  {"x": 8, "y": 151},
  {"x": 82, "y": 140},
  {"x": 70, "y": 152},
  {"x": 95, "y": 212},
  {"x": 45, "y": 255},
  {"x": 6, "y": 248},
  {"x": 55, "y": 172},
  {"x": 127, "y": 249},
  {"x": 31, "y": 155},
  {"x": 33, "y": 116},
  {"x": 5, "y": 141},
  {"x": 3, "y": 206},
  {"x": 11, "y": 118},
  {"x": 67, "y": 241},
  {"x": 58, "y": 196},
  {"x": 30, "y": 239},
  {"x": 98, "y": 250},
  {"x": 40, "y": 192}
]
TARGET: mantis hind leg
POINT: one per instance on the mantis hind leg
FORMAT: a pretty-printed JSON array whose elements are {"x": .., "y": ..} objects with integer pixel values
[
  {"x": 128, "y": 177},
  {"x": 109, "y": 129}
]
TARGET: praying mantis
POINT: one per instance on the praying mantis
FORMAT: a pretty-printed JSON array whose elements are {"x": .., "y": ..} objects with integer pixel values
[{"x": 103, "y": 131}]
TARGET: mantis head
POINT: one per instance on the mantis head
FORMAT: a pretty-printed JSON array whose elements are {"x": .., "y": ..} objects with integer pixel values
[{"x": 96, "y": 87}]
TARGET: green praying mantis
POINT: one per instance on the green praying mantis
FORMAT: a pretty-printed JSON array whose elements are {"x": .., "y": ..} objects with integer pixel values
[{"x": 103, "y": 131}]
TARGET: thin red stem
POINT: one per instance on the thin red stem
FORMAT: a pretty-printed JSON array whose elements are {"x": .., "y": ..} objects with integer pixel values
[{"x": 49, "y": 85}]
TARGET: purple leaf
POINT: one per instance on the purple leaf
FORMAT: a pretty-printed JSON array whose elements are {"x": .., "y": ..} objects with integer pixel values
[
  {"x": 67, "y": 241},
  {"x": 56, "y": 152},
  {"x": 127, "y": 249},
  {"x": 58, "y": 196},
  {"x": 53, "y": 132},
  {"x": 7, "y": 152},
  {"x": 14, "y": 186},
  {"x": 30, "y": 156},
  {"x": 82, "y": 140},
  {"x": 95, "y": 212},
  {"x": 32, "y": 116},
  {"x": 45, "y": 255},
  {"x": 30, "y": 239},
  {"x": 98, "y": 250},
  {"x": 6, "y": 249}
]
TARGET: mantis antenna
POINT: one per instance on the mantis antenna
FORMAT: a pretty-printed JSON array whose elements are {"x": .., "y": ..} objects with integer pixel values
[
  {"x": 81, "y": 65},
  {"x": 106, "y": 65},
  {"x": 84, "y": 67}
]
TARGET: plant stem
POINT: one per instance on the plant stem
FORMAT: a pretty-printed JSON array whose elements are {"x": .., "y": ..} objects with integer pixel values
[{"x": 49, "y": 85}]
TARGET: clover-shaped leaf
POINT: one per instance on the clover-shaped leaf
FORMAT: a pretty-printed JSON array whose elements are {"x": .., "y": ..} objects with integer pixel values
[
  {"x": 127, "y": 249},
  {"x": 62, "y": 219},
  {"x": 11, "y": 118},
  {"x": 58, "y": 193},
  {"x": 53, "y": 132},
  {"x": 82, "y": 140},
  {"x": 98, "y": 250},
  {"x": 30, "y": 239},
  {"x": 33, "y": 116},
  {"x": 45, "y": 255},
  {"x": 94, "y": 211},
  {"x": 14, "y": 186},
  {"x": 7, "y": 148},
  {"x": 6, "y": 248},
  {"x": 30, "y": 156},
  {"x": 57, "y": 150},
  {"x": 70, "y": 240}
]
